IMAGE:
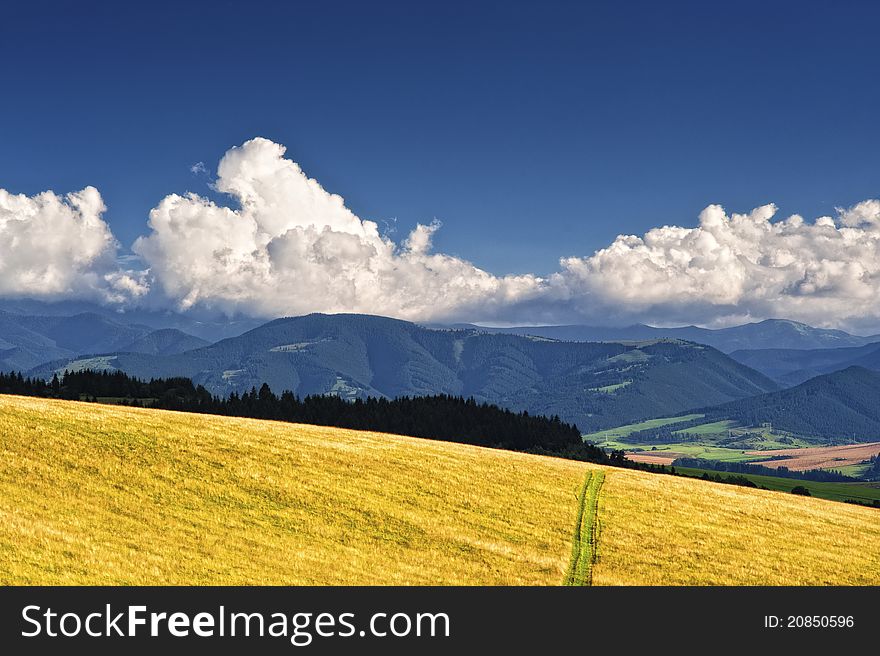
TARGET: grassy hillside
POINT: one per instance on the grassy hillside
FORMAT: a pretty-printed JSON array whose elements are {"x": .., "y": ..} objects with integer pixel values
[
  {"x": 668, "y": 530},
  {"x": 111, "y": 495}
]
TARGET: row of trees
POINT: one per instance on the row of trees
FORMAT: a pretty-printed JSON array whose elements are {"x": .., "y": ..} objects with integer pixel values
[
  {"x": 736, "y": 479},
  {"x": 873, "y": 473},
  {"x": 442, "y": 417},
  {"x": 820, "y": 475},
  {"x": 110, "y": 385}
]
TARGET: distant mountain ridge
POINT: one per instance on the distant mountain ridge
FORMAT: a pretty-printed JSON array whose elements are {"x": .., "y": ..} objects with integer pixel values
[
  {"x": 594, "y": 385},
  {"x": 770, "y": 333},
  {"x": 209, "y": 327},
  {"x": 26, "y": 341},
  {"x": 794, "y": 366},
  {"x": 214, "y": 326}
]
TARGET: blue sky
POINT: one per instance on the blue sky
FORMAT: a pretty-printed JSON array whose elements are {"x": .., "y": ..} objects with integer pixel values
[{"x": 532, "y": 130}]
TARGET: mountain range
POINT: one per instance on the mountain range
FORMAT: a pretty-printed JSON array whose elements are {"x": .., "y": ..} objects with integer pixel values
[
  {"x": 27, "y": 341},
  {"x": 595, "y": 385},
  {"x": 771, "y": 333},
  {"x": 623, "y": 375},
  {"x": 208, "y": 326},
  {"x": 793, "y": 366}
]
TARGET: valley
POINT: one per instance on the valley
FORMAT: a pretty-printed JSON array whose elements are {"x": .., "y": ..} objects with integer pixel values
[{"x": 724, "y": 444}]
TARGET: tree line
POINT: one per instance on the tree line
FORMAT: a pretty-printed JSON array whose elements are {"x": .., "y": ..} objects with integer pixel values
[
  {"x": 819, "y": 475},
  {"x": 873, "y": 473}
]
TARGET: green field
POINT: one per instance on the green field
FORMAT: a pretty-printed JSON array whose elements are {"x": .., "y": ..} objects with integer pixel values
[
  {"x": 610, "y": 389},
  {"x": 95, "y": 494},
  {"x": 98, "y": 363},
  {"x": 122, "y": 400},
  {"x": 710, "y": 433},
  {"x": 622, "y": 431},
  {"x": 856, "y": 471},
  {"x": 865, "y": 492},
  {"x": 771, "y": 440},
  {"x": 714, "y": 428},
  {"x": 690, "y": 449},
  {"x": 722, "y": 441}
]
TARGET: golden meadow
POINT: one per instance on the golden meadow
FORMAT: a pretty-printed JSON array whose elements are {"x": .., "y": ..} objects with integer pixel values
[{"x": 100, "y": 494}]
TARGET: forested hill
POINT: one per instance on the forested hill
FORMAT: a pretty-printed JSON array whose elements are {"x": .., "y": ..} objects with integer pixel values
[
  {"x": 593, "y": 385},
  {"x": 838, "y": 406}
]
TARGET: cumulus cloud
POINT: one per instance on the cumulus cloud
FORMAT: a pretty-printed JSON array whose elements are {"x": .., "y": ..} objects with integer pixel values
[
  {"x": 292, "y": 247},
  {"x": 53, "y": 246},
  {"x": 738, "y": 267},
  {"x": 286, "y": 246}
]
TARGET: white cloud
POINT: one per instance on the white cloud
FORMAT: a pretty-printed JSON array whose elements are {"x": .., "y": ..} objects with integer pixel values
[
  {"x": 738, "y": 267},
  {"x": 291, "y": 248},
  {"x": 53, "y": 246},
  {"x": 419, "y": 240},
  {"x": 294, "y": 248}
]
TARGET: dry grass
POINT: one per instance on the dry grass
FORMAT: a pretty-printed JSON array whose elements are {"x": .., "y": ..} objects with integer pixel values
[
  {"x": 666, "y": 530},
  {"x": 93, "y": 494}
]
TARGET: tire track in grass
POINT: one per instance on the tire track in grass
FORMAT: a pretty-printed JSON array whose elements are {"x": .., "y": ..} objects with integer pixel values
[{"x": 584, "y": 547}]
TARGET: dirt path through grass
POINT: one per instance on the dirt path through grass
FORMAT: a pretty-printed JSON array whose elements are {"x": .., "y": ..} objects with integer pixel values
[{"x": 586, "y": 532}]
